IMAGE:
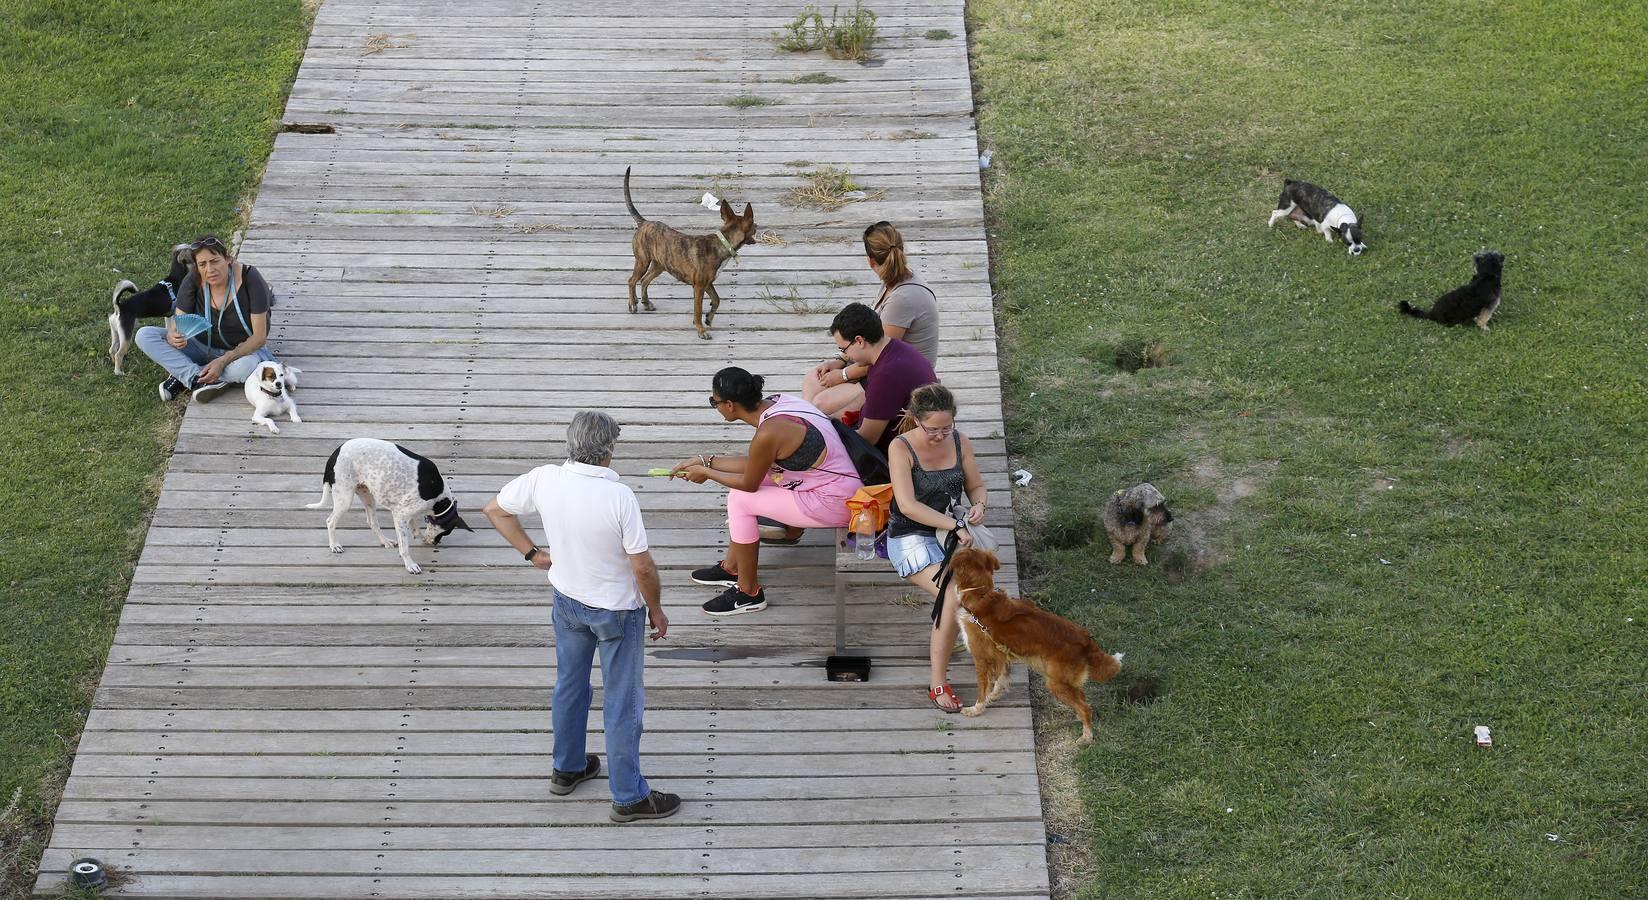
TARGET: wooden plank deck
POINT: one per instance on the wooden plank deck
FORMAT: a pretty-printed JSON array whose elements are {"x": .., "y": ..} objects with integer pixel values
[{"x": 275, "y": 721}]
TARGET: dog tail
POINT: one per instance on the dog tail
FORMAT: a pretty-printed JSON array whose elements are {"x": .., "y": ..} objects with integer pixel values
[
  {"x": 292, "y": 373},
  {"x": 630, "y": 204},
  {"x": 327, "y": 479},
  {"x": 1102, "y": 666},
  {"x": 1409, "y": 309}
]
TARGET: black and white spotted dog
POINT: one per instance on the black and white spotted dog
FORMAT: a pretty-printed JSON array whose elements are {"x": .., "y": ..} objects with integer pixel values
[
  {"x": 1312, "y": 206},
  {"x": 391, "y": 476}
]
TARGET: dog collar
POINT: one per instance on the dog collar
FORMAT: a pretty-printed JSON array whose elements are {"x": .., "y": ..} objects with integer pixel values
[
  {"x": 731, "y": 250},
  {"x": 441, "y": 519},
  {"x": 269, "y": 392}
]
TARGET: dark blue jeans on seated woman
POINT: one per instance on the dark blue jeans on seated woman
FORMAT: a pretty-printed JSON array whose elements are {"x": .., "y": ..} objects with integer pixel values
[{"x": 620, "y": 636}]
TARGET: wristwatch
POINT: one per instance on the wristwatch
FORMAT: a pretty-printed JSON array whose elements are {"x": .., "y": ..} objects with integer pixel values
[{"x": 531, "y": 553}]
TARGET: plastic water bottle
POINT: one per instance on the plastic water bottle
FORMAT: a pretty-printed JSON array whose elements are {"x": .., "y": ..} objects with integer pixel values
[{"x": 864, "y": 531}]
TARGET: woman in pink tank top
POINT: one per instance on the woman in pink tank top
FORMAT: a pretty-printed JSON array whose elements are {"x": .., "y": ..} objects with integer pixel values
[{"x": 796, "y": 471}]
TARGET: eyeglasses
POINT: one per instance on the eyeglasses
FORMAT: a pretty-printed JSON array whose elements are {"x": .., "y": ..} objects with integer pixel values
[
  {"x": 715, "y": 402},
  {"x": 944, "y": 432},
  {"x": 209, "y": 243}
]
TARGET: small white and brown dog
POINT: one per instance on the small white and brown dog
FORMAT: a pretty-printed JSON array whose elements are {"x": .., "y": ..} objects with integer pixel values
[
  {"x": 391, "y": 476},
  {"x": 1313, "y": 206},
  {"x": 269, "y": 390}
]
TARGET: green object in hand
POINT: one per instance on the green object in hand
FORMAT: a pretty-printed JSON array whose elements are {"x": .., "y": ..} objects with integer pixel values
[{"x": 659, "y": 472}]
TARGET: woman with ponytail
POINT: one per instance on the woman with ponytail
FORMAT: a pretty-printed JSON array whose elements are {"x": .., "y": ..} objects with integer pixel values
[
  {"x": 909, "y": 312},
  {"x": 795, "y": 472}
]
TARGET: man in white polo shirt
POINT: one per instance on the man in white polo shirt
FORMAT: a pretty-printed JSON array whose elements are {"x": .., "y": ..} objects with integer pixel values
[{"x": 595, "y": 550}]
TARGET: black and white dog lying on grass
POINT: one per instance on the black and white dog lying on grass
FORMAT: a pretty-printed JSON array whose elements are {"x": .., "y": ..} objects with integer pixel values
[
  {"x": 391, "y": 476},
  {"x": 1312, "y": 206}
]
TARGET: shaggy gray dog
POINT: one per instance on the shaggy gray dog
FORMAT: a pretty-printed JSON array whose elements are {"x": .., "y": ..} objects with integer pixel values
[{"x": 1133, "y": 518}]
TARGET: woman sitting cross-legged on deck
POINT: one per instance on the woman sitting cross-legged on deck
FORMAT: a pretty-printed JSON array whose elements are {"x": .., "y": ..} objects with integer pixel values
[
  {"x": 796, "y": 472},
  {"x": 908, "y": 309},
  {"x": 235, "y": 300},
  {"x": 932, "y": 465}
]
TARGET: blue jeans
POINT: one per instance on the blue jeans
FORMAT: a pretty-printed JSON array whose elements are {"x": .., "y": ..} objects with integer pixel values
[
  {"x": 184, "y": 363},
  {"x": 620, "y": 635}
]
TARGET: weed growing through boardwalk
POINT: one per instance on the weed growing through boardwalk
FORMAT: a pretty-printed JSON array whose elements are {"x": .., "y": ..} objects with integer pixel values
[
  {"x": 789, "y": 300},
  {"x": 1385, "y": 532},
  {"x": 852, "y": 35},
  {"x": 119, "y": 139},
  {"x": 815, "y": 78},
  {"x": 745, "y": 101},
  {"x": 939, "y": 34},
  {"x": 848, "y": 35},
  {"x": 377, "y": 43},
  {"x": 803, "y": 33},
  {"x": 829, "y": 188}
]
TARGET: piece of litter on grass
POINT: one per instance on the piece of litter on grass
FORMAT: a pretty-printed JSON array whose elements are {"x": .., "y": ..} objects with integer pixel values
[
  {"x": 1032, "y": 395},
  {"x": 1551, "y": 836},
  {"x": 1383, "y": 561},
  {"x": 1484, "y": 737},
  {"x": 984, "y": 160},
  {"x": 854, "y": 195},
  {"x": 1230, "y": 809},
  {"x": 710, "y": 201},
  {"x": 1021, "y": 477}
]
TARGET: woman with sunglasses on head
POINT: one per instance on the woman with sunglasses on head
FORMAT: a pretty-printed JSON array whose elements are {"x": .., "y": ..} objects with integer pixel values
[
  {"x": 908, "y": 309},
  {"x": 234, "y": 299},
  {"x": 795, "y": 472},
  {"x": 932, "y": 465}
]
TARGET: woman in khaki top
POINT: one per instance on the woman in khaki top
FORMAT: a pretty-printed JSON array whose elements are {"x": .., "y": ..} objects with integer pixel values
[{"x": 909, "y": 312}]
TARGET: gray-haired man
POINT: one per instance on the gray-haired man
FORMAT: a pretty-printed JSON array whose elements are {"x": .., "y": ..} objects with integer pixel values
[{"x": 595, "y": 550}]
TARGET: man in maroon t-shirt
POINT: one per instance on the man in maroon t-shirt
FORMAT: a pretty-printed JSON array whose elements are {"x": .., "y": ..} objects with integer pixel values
[{"x": 896, "y": 369}]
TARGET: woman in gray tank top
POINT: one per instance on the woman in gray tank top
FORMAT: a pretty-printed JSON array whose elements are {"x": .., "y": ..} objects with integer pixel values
[{"x": 932, "y": 465}]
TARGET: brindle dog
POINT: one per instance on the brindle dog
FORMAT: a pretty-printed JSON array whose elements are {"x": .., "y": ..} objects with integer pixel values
[{"x": 692, "y": 259}]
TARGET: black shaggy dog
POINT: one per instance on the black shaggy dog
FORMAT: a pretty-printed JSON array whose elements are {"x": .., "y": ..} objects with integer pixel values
[{"x": 1474, "y": 302}]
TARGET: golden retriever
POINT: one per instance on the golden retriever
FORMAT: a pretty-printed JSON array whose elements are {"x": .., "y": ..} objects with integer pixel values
[{"x": 1000, "y": 629}]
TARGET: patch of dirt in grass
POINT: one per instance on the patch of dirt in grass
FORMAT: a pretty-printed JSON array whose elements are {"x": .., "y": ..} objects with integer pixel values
[
  {"x": 1133, "y": 354},
  {"x": 1191, "y": 546}
]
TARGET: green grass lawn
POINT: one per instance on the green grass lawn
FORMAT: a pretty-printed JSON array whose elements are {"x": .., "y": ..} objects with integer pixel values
[
  {"x": 1388, "y": 531},
  {"x": 128, "y": 126}
]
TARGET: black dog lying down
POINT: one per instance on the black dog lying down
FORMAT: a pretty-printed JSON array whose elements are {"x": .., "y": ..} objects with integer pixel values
[{"x": 1474, "y": 302}]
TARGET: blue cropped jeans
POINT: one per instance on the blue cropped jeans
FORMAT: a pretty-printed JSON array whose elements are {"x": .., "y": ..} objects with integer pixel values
[{"x": 184, "y": 363}]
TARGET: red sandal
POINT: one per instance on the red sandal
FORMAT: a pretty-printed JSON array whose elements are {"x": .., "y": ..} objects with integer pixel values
[{"x": 945, "y": 691}]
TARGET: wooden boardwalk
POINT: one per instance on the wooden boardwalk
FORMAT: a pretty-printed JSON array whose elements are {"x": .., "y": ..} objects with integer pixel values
[{"x": 275, "y": 721}]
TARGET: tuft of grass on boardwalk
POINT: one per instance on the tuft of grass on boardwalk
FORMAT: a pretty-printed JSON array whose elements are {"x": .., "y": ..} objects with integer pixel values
[
  {"x": 1388, "y": 532},
  {"x": 128, "y": 126}
]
